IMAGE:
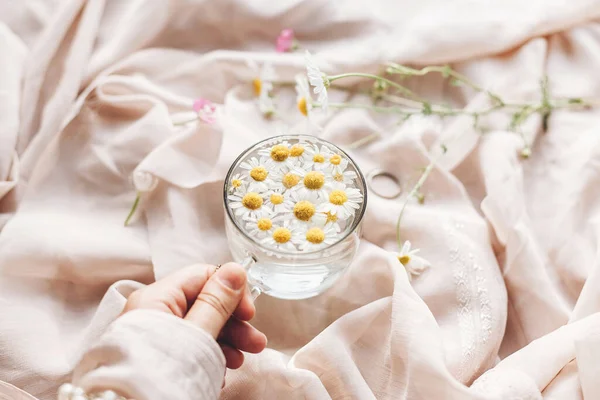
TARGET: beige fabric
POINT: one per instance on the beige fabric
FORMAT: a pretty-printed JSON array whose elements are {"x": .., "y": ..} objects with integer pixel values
[{"x": 89, "y": 90}]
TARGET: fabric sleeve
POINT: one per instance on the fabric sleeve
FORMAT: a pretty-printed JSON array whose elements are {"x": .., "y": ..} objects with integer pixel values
[{"x": 147, "y": 355}]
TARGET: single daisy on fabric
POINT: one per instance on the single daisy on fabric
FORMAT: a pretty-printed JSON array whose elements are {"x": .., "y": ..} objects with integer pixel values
[
  {"x": 205, "y": 109},
  {"x": 278, "y": 200},
  {"x": 315, "y": 237},
  {"x": 260, "y": 227},
  {"x": 304, "y": 209},
  {"x": 303, "y": 96},
  {"x": 414, "y": 264},
  {"x": 318, "y": 80},
  {"x": 262, "y": 85},
  {"x": 237, "y": 182},
  {"x": 248, "y": 205},
  {"x": 342, "y": 201},
  {"x": 144, "y": 181},
  {"x": 316, "y": 157},
  {"x": 258, "y": 174},
  {"x": 285, "y": 41},
  {"x": 281, "y": 236},
  {"x": 312, "y": 182}
]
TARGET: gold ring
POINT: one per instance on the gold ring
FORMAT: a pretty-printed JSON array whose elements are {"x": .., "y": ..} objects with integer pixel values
[
  {"x": 377, "y": 173},
  {"x": 218, "y": 266}
]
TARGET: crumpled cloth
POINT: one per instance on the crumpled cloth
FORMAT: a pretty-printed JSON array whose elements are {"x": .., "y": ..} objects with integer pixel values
[{"x": 509, "y": 308}]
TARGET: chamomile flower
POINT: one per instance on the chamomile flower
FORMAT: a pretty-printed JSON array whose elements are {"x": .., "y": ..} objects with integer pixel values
[
  {"x": 286, "y": 180},
  {"x": 342, "y": 201},
  {"x": 315, "y": 237},
  {"x": 337, "y": 164},
  {"x": 304, "y": 209},
  {"x": 316, "y": 157},
  {"x": 303, "y": 96},
  {"x": 278, "y": 156},
  {"x": 262, "y": 85},
  {"x": 281, "y": 236},
  {"x": 266, "y": 104},
  {"x": 414, "y": 264},
  {"x": 144, "y": 181},
  {"x": 346, "y": 177},
  {"x": 258, "y": 174},
  {"x": 236, "y": 183},
  {"x": 314, "y": 182},
  {"x": 278, "y": 200},
  {"x": 318, "y": 80},
  {"x": 260, "y": 227},
  {"x": 248, "y": 205},
  {"x": 332, "y": 220}
]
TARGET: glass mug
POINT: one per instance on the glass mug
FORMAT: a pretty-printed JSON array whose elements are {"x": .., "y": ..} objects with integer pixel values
[{"x": 292, "y": 275}]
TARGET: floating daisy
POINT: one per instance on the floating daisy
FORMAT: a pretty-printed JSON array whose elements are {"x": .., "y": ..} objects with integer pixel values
[
  {"x": 281, "y": 236},
  {"x": 337, "y": 164},
  {"x": 260, "y": 227},
  {"x": 237, "y": 182},
  {"x": 258, "y": 174},
  {"x": 278, "y": 155},
  {"x": 286, "y": 179},
  {"x": 315, "y": 237},
  {"x": 248, "y": 205},
  {"x": 316, "y": 157},
  {"x": 313, "y": 182},
  {"x": 342, "y": 201},
  {"x": 278, "y": 200},
  {"x": 414, "y": 264},
  {"x": 318, "y": 80},
  {"x": 304, "y": 209},
  {"x": 332, "y": 220}
]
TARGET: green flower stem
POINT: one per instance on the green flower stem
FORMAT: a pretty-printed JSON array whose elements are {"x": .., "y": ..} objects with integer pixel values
[
  {"x": 393, "y": 84},
  {"x": 185, "y": 122},
  {"x": 133, "y": 208}
]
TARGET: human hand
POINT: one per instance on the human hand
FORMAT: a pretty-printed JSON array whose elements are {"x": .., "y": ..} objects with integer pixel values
[{"x": 217, "y": 301}]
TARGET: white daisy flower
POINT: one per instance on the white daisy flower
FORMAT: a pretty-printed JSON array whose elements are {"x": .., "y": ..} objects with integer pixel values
[
  {"x": 346, "y": 177},
  {"x": 277, "y": 156},
  {"x": 303, "y": 96},
  {"x": 281, "y": 237},
  {"x": 260, "y": 227},
  {"x": 286, "y": 180},
  {"x": 248, "y": 205},
  {"x": 144, "y": 181},
  {"x": 337, "y": 164},
  {"x": 258, "y": 174},
  {"x": 262, "y": 85},
  {"x": 304, "y": 210},
  {"x": 278, "y": 200},
  {"x": 342, "y": 201},
  {"x": 332, "y": 220},
  {"x": 318, "y": 80},
  {"x": 237, "y": 182},
  {"x": 316, "y": 158},
  {"x": 314, "y": 182},
  {"x": 315, "y": 238},
  {"x": 414, "y": 264}
]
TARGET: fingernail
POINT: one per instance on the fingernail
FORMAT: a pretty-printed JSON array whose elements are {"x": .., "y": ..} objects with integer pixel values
[{"x": 232, "y": 278}]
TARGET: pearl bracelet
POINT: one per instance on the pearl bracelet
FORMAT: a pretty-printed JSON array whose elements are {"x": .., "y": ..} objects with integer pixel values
[{"x": 70, "y": 392}]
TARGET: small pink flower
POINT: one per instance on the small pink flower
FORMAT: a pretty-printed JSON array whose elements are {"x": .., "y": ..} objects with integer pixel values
[
  {"x": 285, "y": 41},
  {"x": 205, "y": 110}
]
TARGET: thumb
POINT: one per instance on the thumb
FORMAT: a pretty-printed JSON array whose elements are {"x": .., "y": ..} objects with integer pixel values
[{"x": 218, "y": 299}]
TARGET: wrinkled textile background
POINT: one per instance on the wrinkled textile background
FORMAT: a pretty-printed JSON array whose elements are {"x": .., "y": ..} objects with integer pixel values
[{"x": 89, "y": 91}]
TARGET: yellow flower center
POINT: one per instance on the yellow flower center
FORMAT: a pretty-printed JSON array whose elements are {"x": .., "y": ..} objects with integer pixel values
[
  {"x": 276, "y": 198},
  {"x": 252, "y": 201},
  {"x": 303, "y": 106},
  {"x": 338, "y": 197},
  {"x": 297, "y": 150},
  {"x": 304, "y": 210},
  {"x": 290, "y": 180},
  {"x": 335, "y": 159},
  {"x": 331, "y": 217},
  {"x": 314, "y": 180},
  {"x": 282, "y": 235},
  {"x": 264, "y": 224},
  {"x": 259, "y": 173},
  {"x": 315, "y": 235},
  {"x": 338, "y": 177},
  {"x": 257, "y": 85},
  {"x": 236, "y": 183},
  {"x": 280, "y": 153},
  {"x": 405, "y": 259},
  {"x": 319, "y": 158}
]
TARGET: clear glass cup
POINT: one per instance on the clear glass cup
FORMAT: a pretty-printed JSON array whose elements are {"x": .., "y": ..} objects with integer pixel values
[{"x": 293, "y": 275}]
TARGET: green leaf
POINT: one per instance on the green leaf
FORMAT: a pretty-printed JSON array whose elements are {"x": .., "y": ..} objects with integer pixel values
[
  {"x": 444, "y": 148},
  {"x": 575, "y": 100},
  {"x": 427, "y": 108}
]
